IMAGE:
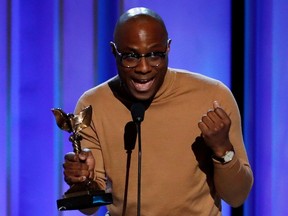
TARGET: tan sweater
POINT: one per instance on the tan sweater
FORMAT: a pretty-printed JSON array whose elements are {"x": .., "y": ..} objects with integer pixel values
[{"x": 178, "y": 175}]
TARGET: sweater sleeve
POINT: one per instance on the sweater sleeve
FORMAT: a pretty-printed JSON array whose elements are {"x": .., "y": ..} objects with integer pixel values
[{"x": 233, "y": 181}]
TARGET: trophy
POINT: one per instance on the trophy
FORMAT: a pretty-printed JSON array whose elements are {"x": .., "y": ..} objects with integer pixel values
[{"x": 86, "y": 194}]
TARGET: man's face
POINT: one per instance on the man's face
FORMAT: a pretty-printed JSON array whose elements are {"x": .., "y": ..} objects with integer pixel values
[{"x": 142, "y": 37}]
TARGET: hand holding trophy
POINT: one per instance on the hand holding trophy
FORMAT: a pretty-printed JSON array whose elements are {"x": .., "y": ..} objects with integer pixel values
[{"x": 86, "y": 194}]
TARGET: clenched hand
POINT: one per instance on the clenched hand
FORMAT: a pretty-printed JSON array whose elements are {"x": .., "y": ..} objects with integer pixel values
[
  {"x": 77, "y": 168},
  {"x": 215, "y": 126}
]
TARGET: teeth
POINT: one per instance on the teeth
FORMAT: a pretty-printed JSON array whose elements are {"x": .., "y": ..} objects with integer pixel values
[
  {"x": 143, "y": 85},
  {"x": 143, "y": 81}
]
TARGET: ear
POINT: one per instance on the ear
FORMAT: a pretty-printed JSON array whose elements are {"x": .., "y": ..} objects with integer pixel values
[
  {"x": 113, "y": 48},
  {"x": 168, "y": 44}
]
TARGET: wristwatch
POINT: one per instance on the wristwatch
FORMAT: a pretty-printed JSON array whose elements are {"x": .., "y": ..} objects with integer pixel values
[{"x": 226, "y": 158}]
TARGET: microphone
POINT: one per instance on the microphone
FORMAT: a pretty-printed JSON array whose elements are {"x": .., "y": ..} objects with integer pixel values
[{"x": 137, "y": 112}]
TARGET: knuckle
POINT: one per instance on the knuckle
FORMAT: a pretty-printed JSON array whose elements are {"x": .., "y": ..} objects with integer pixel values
[{"x": 204, "y": 117}]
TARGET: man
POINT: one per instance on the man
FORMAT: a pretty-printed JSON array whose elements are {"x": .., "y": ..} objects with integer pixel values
[{"x": 192, "y": 147}]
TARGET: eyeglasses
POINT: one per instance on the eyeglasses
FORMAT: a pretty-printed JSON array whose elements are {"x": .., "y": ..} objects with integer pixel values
[{"x": 131, "y": 60}]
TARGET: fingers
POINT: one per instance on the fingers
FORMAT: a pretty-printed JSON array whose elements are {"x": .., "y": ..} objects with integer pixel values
[
  {"x": 73, "y": 178},
  {"x": 219, "y": 111},
  {"x": 71, "y": 156},
  {"x": 78, "y": 168},
  {"x": 214, "y": 120},
  {"x": 210, "y": 123},
  {"x": 215, "y": 126}
]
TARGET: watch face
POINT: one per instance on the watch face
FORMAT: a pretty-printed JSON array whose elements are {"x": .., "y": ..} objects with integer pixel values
[{"x": 228, "y": 156}]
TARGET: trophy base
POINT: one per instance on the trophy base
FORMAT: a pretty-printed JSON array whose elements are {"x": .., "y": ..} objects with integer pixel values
[{"x": 84, "y": 201}]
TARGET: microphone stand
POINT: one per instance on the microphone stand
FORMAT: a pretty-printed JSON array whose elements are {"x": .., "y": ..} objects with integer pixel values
[
  {"x": 138, "y": 126},
  {"x": 137, "y": 111}
]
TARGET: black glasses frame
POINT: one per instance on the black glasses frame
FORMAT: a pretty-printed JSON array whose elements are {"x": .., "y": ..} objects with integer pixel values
[{"x": 137, "y": 56}]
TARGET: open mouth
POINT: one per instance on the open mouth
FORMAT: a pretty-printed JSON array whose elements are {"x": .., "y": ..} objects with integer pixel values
[{"x": 142, "y": 85}]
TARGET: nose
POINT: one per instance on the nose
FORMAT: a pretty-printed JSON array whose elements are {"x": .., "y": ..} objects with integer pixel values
[{"x": 143, "y": 66}]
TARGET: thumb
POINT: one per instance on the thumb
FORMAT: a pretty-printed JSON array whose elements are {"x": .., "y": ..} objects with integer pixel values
[
  {"x": 84, "y": 154},
  {"x": 87, "y": 156},
  {"x": 90, "y": 161},
  {"x": 216, "y": 104}
]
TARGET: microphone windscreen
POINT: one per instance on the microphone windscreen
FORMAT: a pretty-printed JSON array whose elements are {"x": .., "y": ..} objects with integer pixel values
[{"x": 137, "y": 112}]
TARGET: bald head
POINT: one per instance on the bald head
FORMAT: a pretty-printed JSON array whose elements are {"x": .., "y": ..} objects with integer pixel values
[
  {"x": 139, "y": 14},
  {"x": 140, "y": 32},
  {"x": 139, "y": 11}
]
